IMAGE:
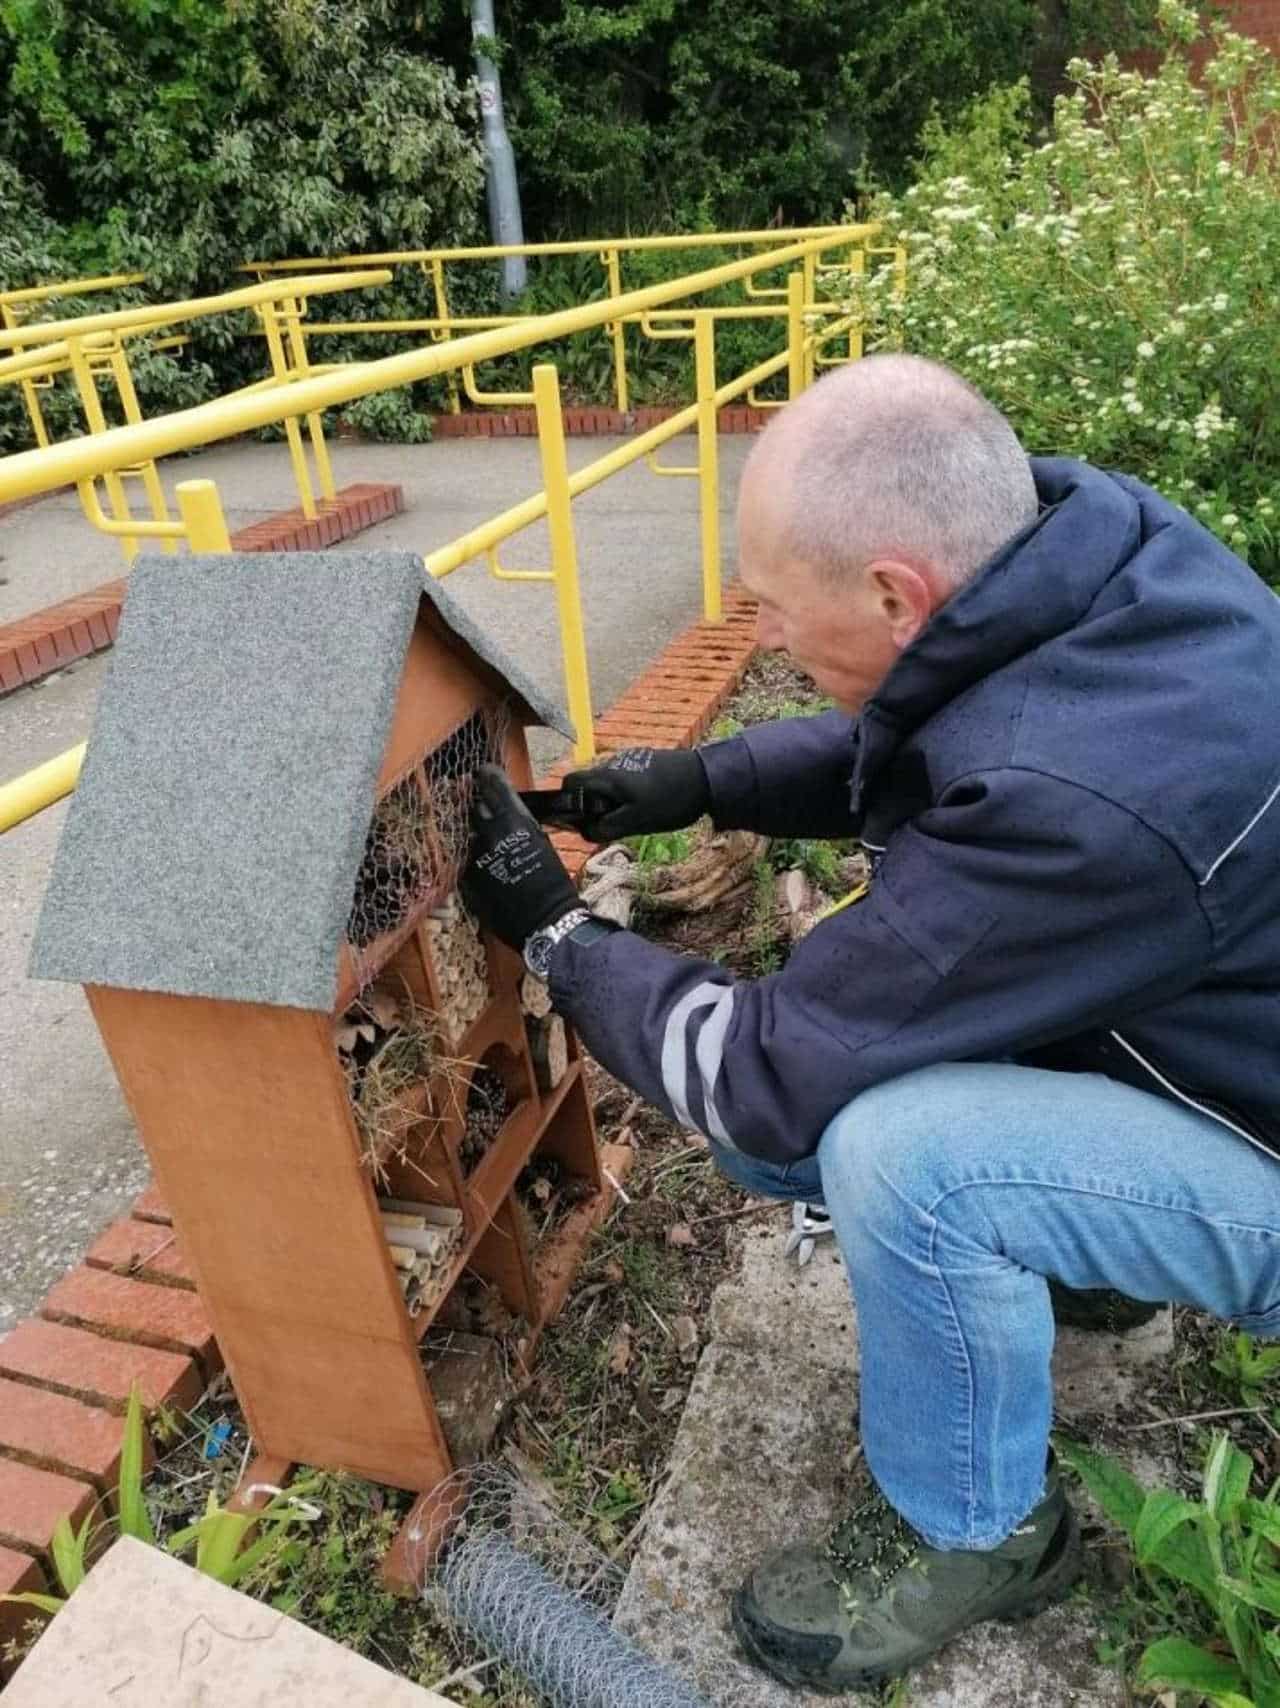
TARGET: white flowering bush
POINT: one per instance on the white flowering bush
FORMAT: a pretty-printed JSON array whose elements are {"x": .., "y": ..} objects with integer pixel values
[{"x": 1114, "y": 288}]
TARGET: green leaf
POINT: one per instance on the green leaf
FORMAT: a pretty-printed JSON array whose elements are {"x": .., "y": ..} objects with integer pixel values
[
  {"x": 221, "y": 1534},
  {"x": 134, "y": 1519},
  {"x": 245, "y": 1561},
  {"x": 31, "y": 1598},
  {"x": 68, "y": 1548},
  {"x": 1186, "y": 1556},
  {"x": 1162, "y": 1513},
  {"x": 1120, "y": 1496},
  {"x": 1262, "y": 1517},
  {"x": 1226, "y": 1478},
  {"x": 1257, "y": 1593},
  {"x": 1177, "y": 1664}
]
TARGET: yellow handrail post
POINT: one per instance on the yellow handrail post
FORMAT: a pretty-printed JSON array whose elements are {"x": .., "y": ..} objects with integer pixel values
[
  {"x": 30, "y": 396},
  {"x": 446, "y": 333},
  {"x": 795, "y": 333},
  {"x": 857, "y": 271},
  {"x": 201, "y": 512},
  {"x": 123, "y": 376},
  {"x": 704, "y": 350},
  {"x": 91, "y": 403},
  {"x": 293, "y": 309},
  {"x": 616, "y": 330},
  {"x": 267, "y": 314},
  {"x": 564, "y": 556},
  {"x": 810, "y": 296}
]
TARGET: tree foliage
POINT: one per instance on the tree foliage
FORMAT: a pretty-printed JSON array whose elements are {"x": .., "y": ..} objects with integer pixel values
[
  {"x": 659, "y": 114},
  {"x": 183, "y": 137}
]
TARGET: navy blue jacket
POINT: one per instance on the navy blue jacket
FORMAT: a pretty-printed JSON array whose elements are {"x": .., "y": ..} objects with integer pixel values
[{"x": 1070, "y": 787}]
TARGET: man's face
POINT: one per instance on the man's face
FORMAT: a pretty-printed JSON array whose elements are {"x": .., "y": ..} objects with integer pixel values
[{"x": 844, "y": 633}]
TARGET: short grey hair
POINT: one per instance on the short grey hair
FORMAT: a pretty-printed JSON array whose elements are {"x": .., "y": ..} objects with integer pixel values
[{"x": 899, "y": 454}]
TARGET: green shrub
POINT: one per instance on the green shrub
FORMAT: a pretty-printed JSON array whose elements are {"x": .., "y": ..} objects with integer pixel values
[{"x": 1112, "y": 288}]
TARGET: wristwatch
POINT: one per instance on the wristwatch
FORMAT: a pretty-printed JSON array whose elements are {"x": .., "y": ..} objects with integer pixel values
[{"x": 579, "y": 923}]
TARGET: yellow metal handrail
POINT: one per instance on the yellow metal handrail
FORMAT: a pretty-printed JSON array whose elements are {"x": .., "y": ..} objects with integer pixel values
[
  {"x": 444, "y": 325},
  {"x": 91, "y": 344},
  {"x": 119, "y": 448},
  {"x": 192, "y": 308},
  {"x": 69, "y": 288},
  {"x": 29, "y": 472}
]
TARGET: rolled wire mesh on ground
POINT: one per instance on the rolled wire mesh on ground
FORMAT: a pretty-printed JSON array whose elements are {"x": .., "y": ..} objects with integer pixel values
[
  {"x": 417, "y": 842},
  {"x": 536, "y": 1597}
]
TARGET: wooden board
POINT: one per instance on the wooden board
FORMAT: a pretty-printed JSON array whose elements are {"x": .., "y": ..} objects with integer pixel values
[{"x": 243, "y": 1112}]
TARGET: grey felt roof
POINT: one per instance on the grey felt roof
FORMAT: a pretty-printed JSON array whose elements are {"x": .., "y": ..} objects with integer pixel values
[{"x": 212, "y": 846}]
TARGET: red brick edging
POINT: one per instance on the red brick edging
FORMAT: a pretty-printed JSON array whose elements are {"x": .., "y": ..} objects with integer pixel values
[
  {"x": 674, "y": 702},
  {"x": 586, "y": 421},
  {"x": 130, "y": 1313},
  {"x": 34, "y": 646}
]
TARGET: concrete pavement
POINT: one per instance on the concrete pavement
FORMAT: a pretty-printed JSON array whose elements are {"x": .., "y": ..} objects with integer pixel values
[{"x": 69, "y": 1159}]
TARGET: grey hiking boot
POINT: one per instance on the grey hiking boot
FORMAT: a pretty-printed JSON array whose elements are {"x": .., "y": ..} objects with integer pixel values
[
  {"x": 1100, "y": 1308},
  {"x": 875, "y": 1599}
]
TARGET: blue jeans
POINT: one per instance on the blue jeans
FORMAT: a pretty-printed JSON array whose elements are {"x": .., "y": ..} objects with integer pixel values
[{"x": 954, "y": 1191}]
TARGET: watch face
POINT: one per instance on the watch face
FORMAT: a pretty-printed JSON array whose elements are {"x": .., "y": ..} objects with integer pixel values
[{"x": 537, "y": 954}]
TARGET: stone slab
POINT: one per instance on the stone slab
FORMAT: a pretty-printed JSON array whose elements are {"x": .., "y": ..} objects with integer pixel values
[
  {"x": 763, "y": 1456},
  {"x": 774, "y": 1305},
  {"x": 762, "y": 1453},
  {"x": 1107, "y": 1372},
  {"x": 145, "y": 1631}
]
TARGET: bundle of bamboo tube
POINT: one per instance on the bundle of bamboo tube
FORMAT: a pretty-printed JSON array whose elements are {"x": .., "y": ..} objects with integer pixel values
[
  {"x": 461, "y": 966},
  {"x": 423, "y": 1240}
]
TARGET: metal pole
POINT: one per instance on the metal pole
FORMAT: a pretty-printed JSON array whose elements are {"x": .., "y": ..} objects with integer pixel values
[
  {"x": 505, "y": 224},
  {"x": 704, "y": 345},
  {"x": 564, "y": 557}
]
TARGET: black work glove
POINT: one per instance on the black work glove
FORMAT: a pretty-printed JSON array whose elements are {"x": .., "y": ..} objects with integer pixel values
[
  {"x": 514, "y": 882},
  {"x": 640, "y": 790}
]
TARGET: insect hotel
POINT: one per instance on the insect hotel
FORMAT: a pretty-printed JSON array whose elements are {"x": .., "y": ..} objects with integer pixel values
[{"x": 337, "y": 1079}]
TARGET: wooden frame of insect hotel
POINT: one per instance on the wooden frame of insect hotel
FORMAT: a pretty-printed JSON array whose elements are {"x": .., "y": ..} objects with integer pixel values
[{"x": 335, "y": 1077}]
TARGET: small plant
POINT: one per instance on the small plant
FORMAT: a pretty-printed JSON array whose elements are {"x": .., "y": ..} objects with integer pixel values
[
  {"x": 661, "y": 848},
  {"x": 819, "y": 861},
  {"x": 1225, "y": 1548},
  {"x": 220, "y": 1537},
  {"x": 765, "y": 953},
  {"x": 1248, "y": 1369}
]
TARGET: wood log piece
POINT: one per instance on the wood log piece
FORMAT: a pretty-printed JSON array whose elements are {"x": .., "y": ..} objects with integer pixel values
[
  {"x": 706, "y": 878},
  {"x": 549, "y": 1051}
]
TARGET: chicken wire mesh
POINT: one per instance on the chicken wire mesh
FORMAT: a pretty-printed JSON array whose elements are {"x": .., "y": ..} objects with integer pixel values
[
  {"x": 535, "y": 1597},
  {"x": 417, "y": 842}
]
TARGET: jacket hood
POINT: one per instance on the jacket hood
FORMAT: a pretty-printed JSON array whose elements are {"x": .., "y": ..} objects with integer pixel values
[{"x": 1038, "y": 585}]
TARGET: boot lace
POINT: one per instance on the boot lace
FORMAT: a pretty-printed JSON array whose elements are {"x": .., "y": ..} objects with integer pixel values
[{"x": 873, "y": 1541}]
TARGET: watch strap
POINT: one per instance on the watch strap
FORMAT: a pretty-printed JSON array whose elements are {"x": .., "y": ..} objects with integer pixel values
[{"x": 538, "y": 946}]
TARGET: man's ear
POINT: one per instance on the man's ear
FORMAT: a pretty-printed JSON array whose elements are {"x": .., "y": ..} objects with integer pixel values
[{"x": 905, "y": 597}]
